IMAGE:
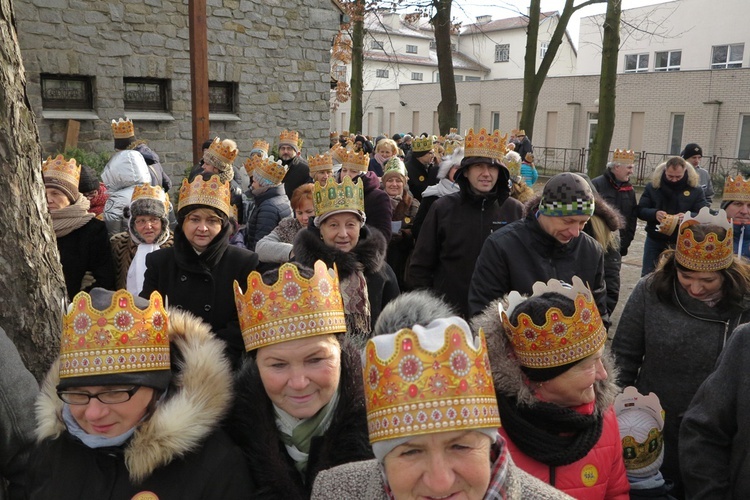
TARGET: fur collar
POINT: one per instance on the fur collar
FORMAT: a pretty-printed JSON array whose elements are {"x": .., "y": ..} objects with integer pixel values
[
  {"x": 420, "y": 307},
  {"x": 368, "y": 256},
  {"x": 506, "y": 372},
  {"x": 693, "y": 177},
  {"x": 198, "y": 398}
]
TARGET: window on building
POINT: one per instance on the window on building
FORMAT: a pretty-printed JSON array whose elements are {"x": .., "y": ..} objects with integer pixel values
[
  {"x": 376, "y": 45},
  {"x": 433, "y": 46},
  {"x": 502, "y": 52},
  {"x": 458, "y": 78},
  {"x": 221, "y": 97},
  {"x": 67, "y": 92},
  {"x": 468, "y": 78},
  {"x": 636, "y": 63},
  {"x": 146, "y": 94},
  {"x": 668, "y": 61},
  {"x": 495, "y": 119},
  {"x": 411, "y": 49},
  {"x": 743, "y": 152},
  {"x": 417, "y": 76},
  {"x": 675, "y": 135},
  {"x": 727, "y": 56},
  {"x": 543, "y": 49},
  {"x": 339, "y": 72},
  {"x": 381, "y": 73}
]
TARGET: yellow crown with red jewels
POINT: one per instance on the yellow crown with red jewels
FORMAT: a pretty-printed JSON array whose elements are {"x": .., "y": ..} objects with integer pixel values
[
  {"x": 338, "y": 153},
  {"x": 332, "y": 196},
  {"x": 736, "y": 189},
  {"x": 290, "y": 309},
  {"x": 220, "y": 154},
  {"x": 484, "y": 144},
  {"x": 711, "y": 254},
  {"x": 412, "y": 387},
  {"x": 623, "y": 156},
  {"x": 122, "y": 129},
  {"x": 212, "y": 193},
  {"x": 119, "y": 339},
  {"x": 421, "y": 144},
  {"x": 290, "y": 137},
  {"x": 251, "y": 163},
  {"x": 269, "y": 171},
  {"x": 261, "y": 145},
  {"x": 61, "y": 170},
  {"x": 320, "y": 162},
  {"x": 147, "y": 191},
  {"x": 561, "y": 339},
  {"x": 356, "y": 160}
]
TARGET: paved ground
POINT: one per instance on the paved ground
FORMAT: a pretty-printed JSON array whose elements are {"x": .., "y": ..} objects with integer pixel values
[{"x": 630, "y": 273}]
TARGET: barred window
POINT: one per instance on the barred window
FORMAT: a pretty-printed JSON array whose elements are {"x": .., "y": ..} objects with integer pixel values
[
  {"x": 146, "y": 94},
  {"x": 381, "y": 73},
  {"x": 67, "y": 92},
  {"x": 221, "y": 97},
  {"x": 502, "y": 52}
]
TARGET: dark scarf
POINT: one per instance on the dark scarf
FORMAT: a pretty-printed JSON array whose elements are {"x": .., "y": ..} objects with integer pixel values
[
  {"x": 549, "y": 433},
  {"x": 618, "y": 185},
  {"x": 187, "y": 257}
]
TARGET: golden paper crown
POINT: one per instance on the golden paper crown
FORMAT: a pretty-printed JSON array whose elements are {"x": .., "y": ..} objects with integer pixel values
[
  {"x": 212, "y": 193},
  {"x": 452, "y": 145},
  {"x": 334, "y": 197},
  {"x": 736, "y": 189},
  {"x": 561, "y": 340},
  {"x": 290, "y": 309},
  {"x": 251, "y": 163},
  {"x": 119, "y": 339},
  {"x": 623, "y": 156},
  {"x": 420, "y": 144},
  {"x": 711, "y": 254},
  {"x": 520, "y": 131},
  {"x": 338, "y": 153},
  {"x": 356, "y": 160},
  {"x": 290, "y": 137},
  {"x": 453, "y": 131},
  {"x": 220, "y": 155},
  {"x": 269, "y": 172},
  {"x": 60, "y": 170},
  {"x": 639, "y": 455},
  {"x": 485, "y": 144},
  {"x": 440, "y": 139},
  {"x": 668, "y": 224},
  {"x": 334, "y": 135},
  {"x": 122, "y": 129},
  {"x": 421, "y": 390},
  {"x": 320, "y": 162},
  {"x": 147, "y": 191},
  {"x": 261, "y": 145}
]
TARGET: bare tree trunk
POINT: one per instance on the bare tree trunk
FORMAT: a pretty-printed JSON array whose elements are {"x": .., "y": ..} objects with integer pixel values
[
  {"x": 31, "y": 283},
  {"x": 607, "y": 90},
  {"x": 356, "y": 83},
  {"x": 448, "y": 106}
]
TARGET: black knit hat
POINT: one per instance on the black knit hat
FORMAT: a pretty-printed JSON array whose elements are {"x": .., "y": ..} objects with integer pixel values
[
  {"x": 89, "y": 180},
  {"x": 691, "y": 150}
]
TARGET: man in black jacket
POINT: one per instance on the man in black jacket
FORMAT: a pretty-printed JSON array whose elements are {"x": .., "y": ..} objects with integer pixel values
[
  {"x": 421, "y": 171},
  {"x": 615, "y": 187},
  {"x": 299, "y": 170}
]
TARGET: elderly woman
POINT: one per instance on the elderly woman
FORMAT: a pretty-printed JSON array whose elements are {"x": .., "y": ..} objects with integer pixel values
[
  {"x": 405, "y": 208},
  {"x": 82, "y": 239},
  {"x": 447, "y": 445},
  {"x": 299, "y": 407},
  {"x": 269, "y": 203},
  {"x": 197, "y": 273},
  {"x": 146, "y": 427},
  {"x": 339, "y": 236},
  {"x": 148, "y": 231},
  {"x": 677, "y": 321},
  {"x": 276, "y": 246},
  {"x": 555, "y": 398}
]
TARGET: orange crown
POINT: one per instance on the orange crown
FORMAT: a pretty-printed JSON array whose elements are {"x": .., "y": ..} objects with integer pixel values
[
  {"x": 122, "y": 129},
  {"x": 269, "y": 172},
  {"x": 485, "y": 144},
  {"x": 623, "y": 156},
  {"x": 290, "y": 138},
  {"x": 147, "y": 191},
  {"x": 334, "y": 197},
  {"x": 320, "y": 162},
  {"x": 426, "y": 380},
  {"x": 338, "y": 153},
  {"x": 334, "y": 135},
  {"x": 356, "y": 160},
  {"x": 60, "y": 170},
  {"x": 290, "y": 309},
  {"x": 711, "y": 254},
  {"x": 260, "y": 145},
  {"x": 212, "y": 193},
  {"x": 251, "y": 163},
  {"x": 120, "y": 339},
  {"x": 561, "y": 339},
  {"x": 220, "y": 154},
  {"x": 736, "y": 189}
]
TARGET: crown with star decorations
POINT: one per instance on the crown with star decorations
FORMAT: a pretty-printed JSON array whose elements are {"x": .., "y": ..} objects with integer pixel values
[
  {"x": 485, "y": 145},
  {"x": 220, "y": 154},
  {"x": 122, "y": 129},
  {"x": 561, "y": 339},
  {"x": 320, "y": 162},
  {"x": 338, "y": 153},
  {"x": 427, "y": 380},
  {"x": 710, "y": 254},
  {"x": 147, "y": 191},
  {"x": 260, "y": 145},
  {"x": 421, "y": 144},
  {"x": 736, "y": 189},
  {"x": 251, "y": 163},
  {"x": 212, "y": 193},
  {"x": 119, "y": 339},
  {"x": 58, "y": 170},
  {"x": 335, "y": 197},
  {"x": 292, "y": 308},
  {"x": 623, "y": 156},
  {"x": 640, "y": 454},
  {"x": 269, "y": 171},
  {"x": 290, "y": 138},
  {"x": 356, "y": 160}
]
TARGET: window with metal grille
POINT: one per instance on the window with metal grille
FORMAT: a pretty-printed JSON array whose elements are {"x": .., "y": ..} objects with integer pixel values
[
  {"x": 67, "y": 92},
  {"x": 221, "y": 97},
  {"x": 381, "y": 73},
  {"x": 502, "y": 52},
  {"x": 146, "y": 94}
]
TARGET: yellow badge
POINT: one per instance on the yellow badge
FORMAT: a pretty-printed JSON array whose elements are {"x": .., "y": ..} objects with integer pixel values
[
  {"x": 686, "y": 193},
  {"x": 589, "y": 475},
  {"x": 146, "y": 495},
  {"x": 407, "y": 220},
  {"x": 421, "y": 178}
]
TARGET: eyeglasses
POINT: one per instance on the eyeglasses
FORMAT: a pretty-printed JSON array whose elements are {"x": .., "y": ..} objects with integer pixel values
[
  {"x": 151, "y": 221},
  {"x": 112, "y": 397}
]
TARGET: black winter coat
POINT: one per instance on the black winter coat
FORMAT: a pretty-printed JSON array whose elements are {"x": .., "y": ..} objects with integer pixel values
[
  {"x": 420, "y": 176},
  {"x": 622, "y": 197},
  {"x": 268, "y": 210},
  {"x": 252, "y": 426},
  {"x": 87, "y": 249},
  {"x": 298, "y": 174},
  {"x": 378, "y": 207},
  {"x": 158, "y": 176}
]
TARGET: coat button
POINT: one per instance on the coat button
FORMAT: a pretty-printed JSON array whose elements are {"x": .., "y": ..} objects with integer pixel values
[
  {"x": 183, "y": 278},
  {"x": 207, "y": 307},
  {"x": 205, "y": 280}
]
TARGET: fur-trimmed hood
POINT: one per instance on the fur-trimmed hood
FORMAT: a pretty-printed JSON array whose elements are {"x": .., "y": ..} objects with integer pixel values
[
  {"x": 693, "y": 177},
  {"x": 506, "y": 371},
  {"x": 198, "y": 398}
]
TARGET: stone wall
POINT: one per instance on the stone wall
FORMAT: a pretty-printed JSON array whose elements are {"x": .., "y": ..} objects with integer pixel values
[{"x": 277, "y": 53}]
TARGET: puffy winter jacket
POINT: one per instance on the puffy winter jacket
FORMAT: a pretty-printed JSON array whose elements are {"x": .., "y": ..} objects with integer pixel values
[
  {"x": 267, "y": 211},
  {"x": 125, "y": 170}
]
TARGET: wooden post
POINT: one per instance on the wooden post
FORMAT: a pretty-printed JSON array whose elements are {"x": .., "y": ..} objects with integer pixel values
[
  {"x": 71, "y": 134},
  {"x": 198, "y": 75}
]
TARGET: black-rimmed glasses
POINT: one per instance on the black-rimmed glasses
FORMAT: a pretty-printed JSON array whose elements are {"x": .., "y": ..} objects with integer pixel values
[{"x": 111, "y": 397}]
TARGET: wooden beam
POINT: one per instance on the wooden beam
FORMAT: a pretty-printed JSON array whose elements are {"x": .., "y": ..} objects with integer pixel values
[
  {"x": 198, "y": 75},
  {"x": 71, "y": 134}
]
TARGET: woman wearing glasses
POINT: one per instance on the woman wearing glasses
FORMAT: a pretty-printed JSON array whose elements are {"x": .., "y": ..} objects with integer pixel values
[{"x": 118, "y": 420}]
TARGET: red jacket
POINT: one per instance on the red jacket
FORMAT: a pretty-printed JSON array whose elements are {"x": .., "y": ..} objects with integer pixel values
[{"x": 597, "y": 476}]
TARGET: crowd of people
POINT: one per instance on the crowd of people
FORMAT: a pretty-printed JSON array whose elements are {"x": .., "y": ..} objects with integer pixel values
[{"x": 404, "y": 317}]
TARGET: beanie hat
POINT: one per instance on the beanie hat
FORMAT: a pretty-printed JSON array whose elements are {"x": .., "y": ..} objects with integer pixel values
[
  {"x": 691, "y": 150},
  {"x": 566, "y": 194},
  {"x": 641, "y": 423},
  {"x": 89, "y": 180}
]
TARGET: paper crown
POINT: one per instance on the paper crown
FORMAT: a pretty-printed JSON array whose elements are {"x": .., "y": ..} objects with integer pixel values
[
  {"x": 290, "y": 138},
  {"x": 338, "y": 153},
  {"x": 356, "y": 160},
  {"x": 334, "y": 135},
  {"x": 413, "y": 388},
  {"x": 711, "y": 254},
  {"x": 320, "y": 162},
  {"x": 453, "y": 131},
  {"x": 562, "y": 339},
  {"x": 736, "y": 189},
  {"x": 290, "y": 309},
  {"x": 512, "y": 160},
  {"x": 451, "y": 145},
  {"x": 485, "y": 145},
  {"x": 520, "y": 131},
  {"x": 58, "y": 170},
  {"x": 642, "y": 450},
  {"x": 251, "y": 163},
  {"x": 122, "y": 129},
  {"x": 394, "y": 165},
  {"x": 269, "y": 171},
  {"x": 334, "y": 197},
  {"x": 212, "y": 193},
  {"x": 149, "y": 192},
  {"x": 623, "y": 156},
  {"x": 260, "y": 145},
  {"x": 668, "y": 224},
  {"x": 421, "y": 144},
  {"x": 119, "y": 339},
  {"x": 220, "y": 154}
]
